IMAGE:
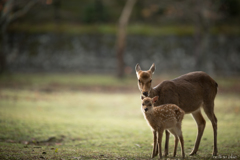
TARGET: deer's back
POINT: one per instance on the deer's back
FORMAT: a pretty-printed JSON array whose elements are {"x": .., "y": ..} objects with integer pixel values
[{"x": 188, "y": 91}]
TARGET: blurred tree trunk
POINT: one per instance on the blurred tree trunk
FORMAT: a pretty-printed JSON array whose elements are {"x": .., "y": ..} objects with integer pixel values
[
  {"x": 201, "y": 40},
  {"x": 202, "y": 33},
  {"x": 121, "y": 37},
  {"x": 57, "y": 6},
  {"x": 206, "y": 13},
  {"x": 8, "y": 15}
]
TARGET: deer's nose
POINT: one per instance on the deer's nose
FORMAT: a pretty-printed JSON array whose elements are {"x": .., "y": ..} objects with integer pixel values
[
  {"x": 145, "y": 109},
  {"x": 145, "y": 94}
]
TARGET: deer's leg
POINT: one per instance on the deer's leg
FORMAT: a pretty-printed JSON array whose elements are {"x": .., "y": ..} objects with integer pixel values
[
  {"x": 197, "y": 115},
  {"x": 209, "y": 110},
  {"x": 180, "y": 137},
  {"x": 175, "y": 146},
  {"x": 166, "y": 143},
  {"x": 182, "y": 144},
  {"x": 174, "y": 132},
  {"x": 154, "y": 152},
  {"x": 160, "y": 133}
]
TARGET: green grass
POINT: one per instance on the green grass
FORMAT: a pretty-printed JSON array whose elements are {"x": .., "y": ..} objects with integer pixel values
[
  {"x": 102, "y": 82},
  {"x": 98, "y": 124},
  {"x": 70, "y": 81},
  {"x": 132, "y": 29}
]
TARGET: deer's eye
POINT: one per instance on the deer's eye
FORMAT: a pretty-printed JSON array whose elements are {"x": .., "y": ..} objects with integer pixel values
[
  {"x": 150, "y": 81},
  {"x": 142, "y": 104},
  {"x": 139, "y": 81}
]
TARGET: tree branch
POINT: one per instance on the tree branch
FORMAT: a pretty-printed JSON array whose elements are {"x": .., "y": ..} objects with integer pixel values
[
  {"x": 8, "y": 15},
  {"x": 121, "y": 37},
  {"x": 23, "y": 11},
  {"x": 6, "y": 10}
]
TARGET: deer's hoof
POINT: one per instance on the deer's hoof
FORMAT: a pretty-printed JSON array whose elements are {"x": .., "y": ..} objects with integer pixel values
[
  {"x": 165, "y": 154},
  {"x": 183, "y": 155},
  {"x": 214, "y": 154},
  {"x": 192, "y": 153},
  {"x": 153, "y": 156}
]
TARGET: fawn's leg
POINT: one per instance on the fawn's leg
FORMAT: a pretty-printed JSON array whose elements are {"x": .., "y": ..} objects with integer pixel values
[
  {"x": 175, "y": 147},
  {"x": 182, "y": 145},
  {"x": 166, "y": 143},
  {"x": 197, "y": 115},
  {"x": 180, "y": 137},
  {"x": 174, "y": 132},
  {"x": 160, "y": 133},
  {"x": 154, "y": 152}
]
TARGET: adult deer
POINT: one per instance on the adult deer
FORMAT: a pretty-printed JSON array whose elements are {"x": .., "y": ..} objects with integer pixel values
[{"x": 190, "y": 92}]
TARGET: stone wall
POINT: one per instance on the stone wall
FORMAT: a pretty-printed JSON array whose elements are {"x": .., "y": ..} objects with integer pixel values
[{"x": 96, "y": 53}]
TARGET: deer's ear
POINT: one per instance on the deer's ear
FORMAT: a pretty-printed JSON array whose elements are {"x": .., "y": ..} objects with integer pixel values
[
  {"x": 155, "y": 99},
  {"x": 152, "y": 68},
  {"x": 137, "y": 67}
]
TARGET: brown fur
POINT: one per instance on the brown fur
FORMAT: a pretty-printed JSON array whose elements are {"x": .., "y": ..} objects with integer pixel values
[
  {"x": 165, "y": 117},
  {"x": 190, "y": 92}
]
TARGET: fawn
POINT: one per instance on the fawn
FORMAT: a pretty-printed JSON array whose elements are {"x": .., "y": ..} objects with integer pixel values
[
  {"x": 191, "y": 92},
  {"x": 165, "y": 117}
]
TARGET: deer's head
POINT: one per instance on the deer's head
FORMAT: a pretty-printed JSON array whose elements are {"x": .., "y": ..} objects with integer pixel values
[
  {"x": 148, "y": 103},
  {"x": 145, "y": 79}
]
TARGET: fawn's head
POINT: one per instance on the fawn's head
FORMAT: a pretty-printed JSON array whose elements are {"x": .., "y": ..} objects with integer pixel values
[
  {"x": 148, "y": 103},
  {"x": 145, "y": 79}
]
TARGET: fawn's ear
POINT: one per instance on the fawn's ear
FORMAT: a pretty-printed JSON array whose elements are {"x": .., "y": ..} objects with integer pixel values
[
  {"x": 152, "y": 68},
  {"x": 155, "y": 99},
  {"x": 137, "y": 68}
]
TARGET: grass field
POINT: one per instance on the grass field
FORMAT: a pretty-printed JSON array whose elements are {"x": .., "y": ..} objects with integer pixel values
[
  {"x": 132, "y": 29},
  {"x": 42, "y": 117}
]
